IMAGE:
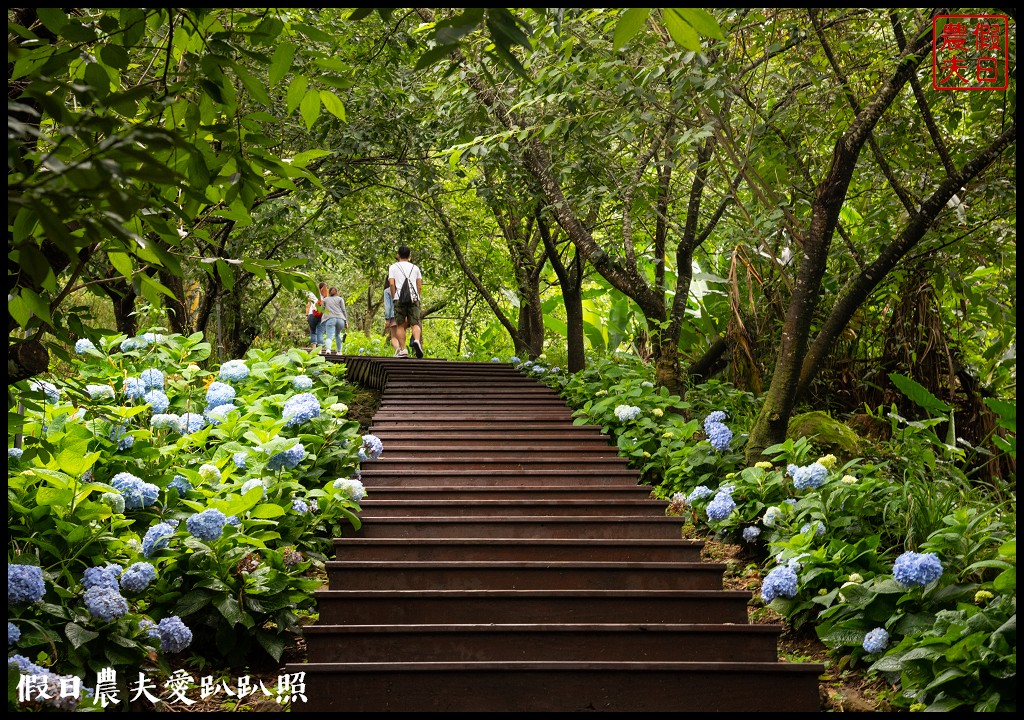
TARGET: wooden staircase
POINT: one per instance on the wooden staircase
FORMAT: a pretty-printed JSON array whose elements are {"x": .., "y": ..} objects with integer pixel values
[{"x": 508, "y": 561}]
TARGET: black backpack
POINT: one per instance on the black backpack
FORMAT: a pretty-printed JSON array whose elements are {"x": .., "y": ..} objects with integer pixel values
[{"x": 405, "y": 295}]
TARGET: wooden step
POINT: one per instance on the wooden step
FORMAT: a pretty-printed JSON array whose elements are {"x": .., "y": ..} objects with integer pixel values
[
  {"x": 650, "y": 642},
  {"x": 522, "y": 575},
  {"x": 372, "y": 507},
  {"x": 609, "y": 527},
  {"x": 599, "y": 494},
  {"x": 586, "y": 476},
  {"x": 529, "y": 549}
]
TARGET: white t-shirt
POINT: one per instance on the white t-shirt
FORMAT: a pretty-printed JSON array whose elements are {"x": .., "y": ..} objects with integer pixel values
[{"x": 400, "y": 271}]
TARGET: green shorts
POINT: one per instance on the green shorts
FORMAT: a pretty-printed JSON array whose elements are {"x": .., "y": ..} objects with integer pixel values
[{"x": 407, "y": 312}]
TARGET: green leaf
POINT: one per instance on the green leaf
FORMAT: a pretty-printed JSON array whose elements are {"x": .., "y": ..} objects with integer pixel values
[
  {"x": 681, "y": 31},
  {"x": 310, "y": 108},
  {"x": 191, "y": 602},
  {"x": 629, "y": 24},
  {"x": 228, "y": 607},
  {"x": 121, "y": 262},
  {"x": 702, "y": 21},
  {"x": 53, "y": 18},
  {"x": 254, "y": 86},
  {"x": 19, "y": 311},
  {"x": 273, "y": 644},
  {"x": 918, "y": 393},
  {"x": 78, "y": 635},
  {"x": 267, "y": 511},
  {"x": 296, "y": 92},
  {"x": 281, "y": 63},
  {"x": 333, "y": 104}
]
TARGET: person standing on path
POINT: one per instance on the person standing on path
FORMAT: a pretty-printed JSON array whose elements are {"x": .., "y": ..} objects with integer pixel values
[
  {"x": 313, "y": 315},
  {"x": 389, "y": 317},
  {"x": 406, "y": 283},
  {"x": 321, "y": 326},
  {"x": 336, "y": 320}
]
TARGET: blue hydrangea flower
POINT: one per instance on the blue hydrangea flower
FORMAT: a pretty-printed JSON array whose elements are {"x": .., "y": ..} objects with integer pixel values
[
  {"x": 137, "y": 494},
  {"x": 209, "y": 472},
  {"x": 83, "y": 345},
  {"x": 207, "y": 525},
  {"x": 133, "y": 388},
  {"x": 514, "y": 360},
  {"x": 719, "y": 436},
  {"x": 162, "y": 421},
  {"x": 373, "y": 446},
  {"x": 105, "y": 604},
  {"x": 51, "y": 391},
  {"x": 189, "y": 423},
  {"x": 751, "y": 533},
  {"x": 810, "y": 476},
  {"x": 352, "y": 488},
  {"x": 699, "y": 493},
  {"x": 291, "y": 557},
  {"x": 627, "y": 412},
  {"x": 138, "y": 577},
  {"x": 302, "y": 382},
  {"x": 24, "y": 584},
  {"x": 715, "y": 418},
  {"x": 233, "y": 520},
  {"x": 647, "y": 384},
  {"x": 104, "y": 577},
  {"x": 494, "y": 359},
  {"x": 780, "y": 582},
  {"x": 134, "y": 343},
  {"x": 174, "y": 634},
  {"x": 771, "y": 516},
  {"x": 118, "y": 435},
  {"x": 239, "y": 460},
  {"x": 13, "y": 633},
  {"x": 299, "y": 505},
  {"x": 156, "y": 538},
  {"x": 181, "y": 484},
  {"x": 538, "y": 369},
  {"x": 158, "y": 401},
  {"x": 300, "y": 408},
  {"x": 817, "y": 525},
  {"x": 153, "y": 379},
  {"x": 289, "y": 459},
  {"x": 149, "y": 627},
  {"x": 14, "y": 453},
  {"x": 219, "y": 394},
  {"x": 876, "y": 641},
  {"x": 254, "y": 483},
  {"x": 100, "y": 392},
  {"x": 152, "y": 337},
  {"x": 913, "y": 568},
  {"x": 721, "y": 506},
  {"x": 218, "y": 414},
  {"x": 234, "y": 371},
  {"x": 114, "y": 500}
]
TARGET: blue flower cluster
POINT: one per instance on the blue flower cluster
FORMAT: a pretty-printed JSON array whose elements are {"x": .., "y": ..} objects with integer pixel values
[
  {"x": 254, "y": 483},
  {"x": 302, "y": 382},
  {"x": 207, "y": 525},
  {"x": 113, "y": 500},
  {"x": 24, "y": 584},
  {"x": 300, "y": 408},
  {"x": 137, "y": 494},
  {"x": 780, "y": 582},
  {"x": 153, "y": 379},
  {"x": 48, "y": 685},
  {"x": 100, "y": 392},
  {"x": 719, "y": 435},
  {"x": 162, "y": 421},
  {"x": 174, "y": 634},
  {"x": 627, "y": 412},
  {"x": 299, "y": 505},
  {"x": 181, "y": 484},
  {"x": 14, "y": 453},
  {"x": 158, "y": 401},
  {"x": 352, "y": 488},
  {"x": 134, "y": 343},
  {"x": 209, "y": 472},
  {"x": 372, "y": 446},
  {"x": 150, "y": 628},
  {"x": 239, "y": 460},
  {"x": 101, "y": 577},
  {"x": 152, "y": 337},
  {"x": 514, "y": 360},
  {"x": 84, "y": 345},
  {"x": 876, "y": 641},
  {"x": 809, "y": 476},
  {"x": 494, "y": 359},
  {"x": 291, "y": 557},
  {"x": 751, "y": 533},
  {"x": 52, "y": 393},
  {"x": 117, "y": 434},
  {"x": 13, "y": 633},
  {"x": 288, "y": 459},
  {"x": 234, "y": 371},
  {"x": 771, "y": 516},
  {"x": 137, "y": 577},
  {"x": 133, "y": 388},
  {"x": 699, "y": 493},
  {"x": 913, "y": 568},
  {"x": 818, "y": 525},
  {"x": 105, "y": 604},
  {"x": 219, "y": 394},
  {"x": 189, "y": 423},
  {"x": 722, "y": 505},
  {"x": 156, "y": 538}
]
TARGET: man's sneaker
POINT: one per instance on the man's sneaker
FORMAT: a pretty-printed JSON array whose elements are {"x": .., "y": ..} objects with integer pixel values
[
  {"x": 402, "y": 354},
  {"x": 417, "y": 348}
]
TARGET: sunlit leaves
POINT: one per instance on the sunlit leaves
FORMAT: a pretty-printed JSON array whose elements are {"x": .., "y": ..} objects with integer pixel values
[{"x": 629, "y": 25}]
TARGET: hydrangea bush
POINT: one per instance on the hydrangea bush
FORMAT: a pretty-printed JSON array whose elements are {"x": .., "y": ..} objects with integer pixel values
[{"x": 202, "y": 532}]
